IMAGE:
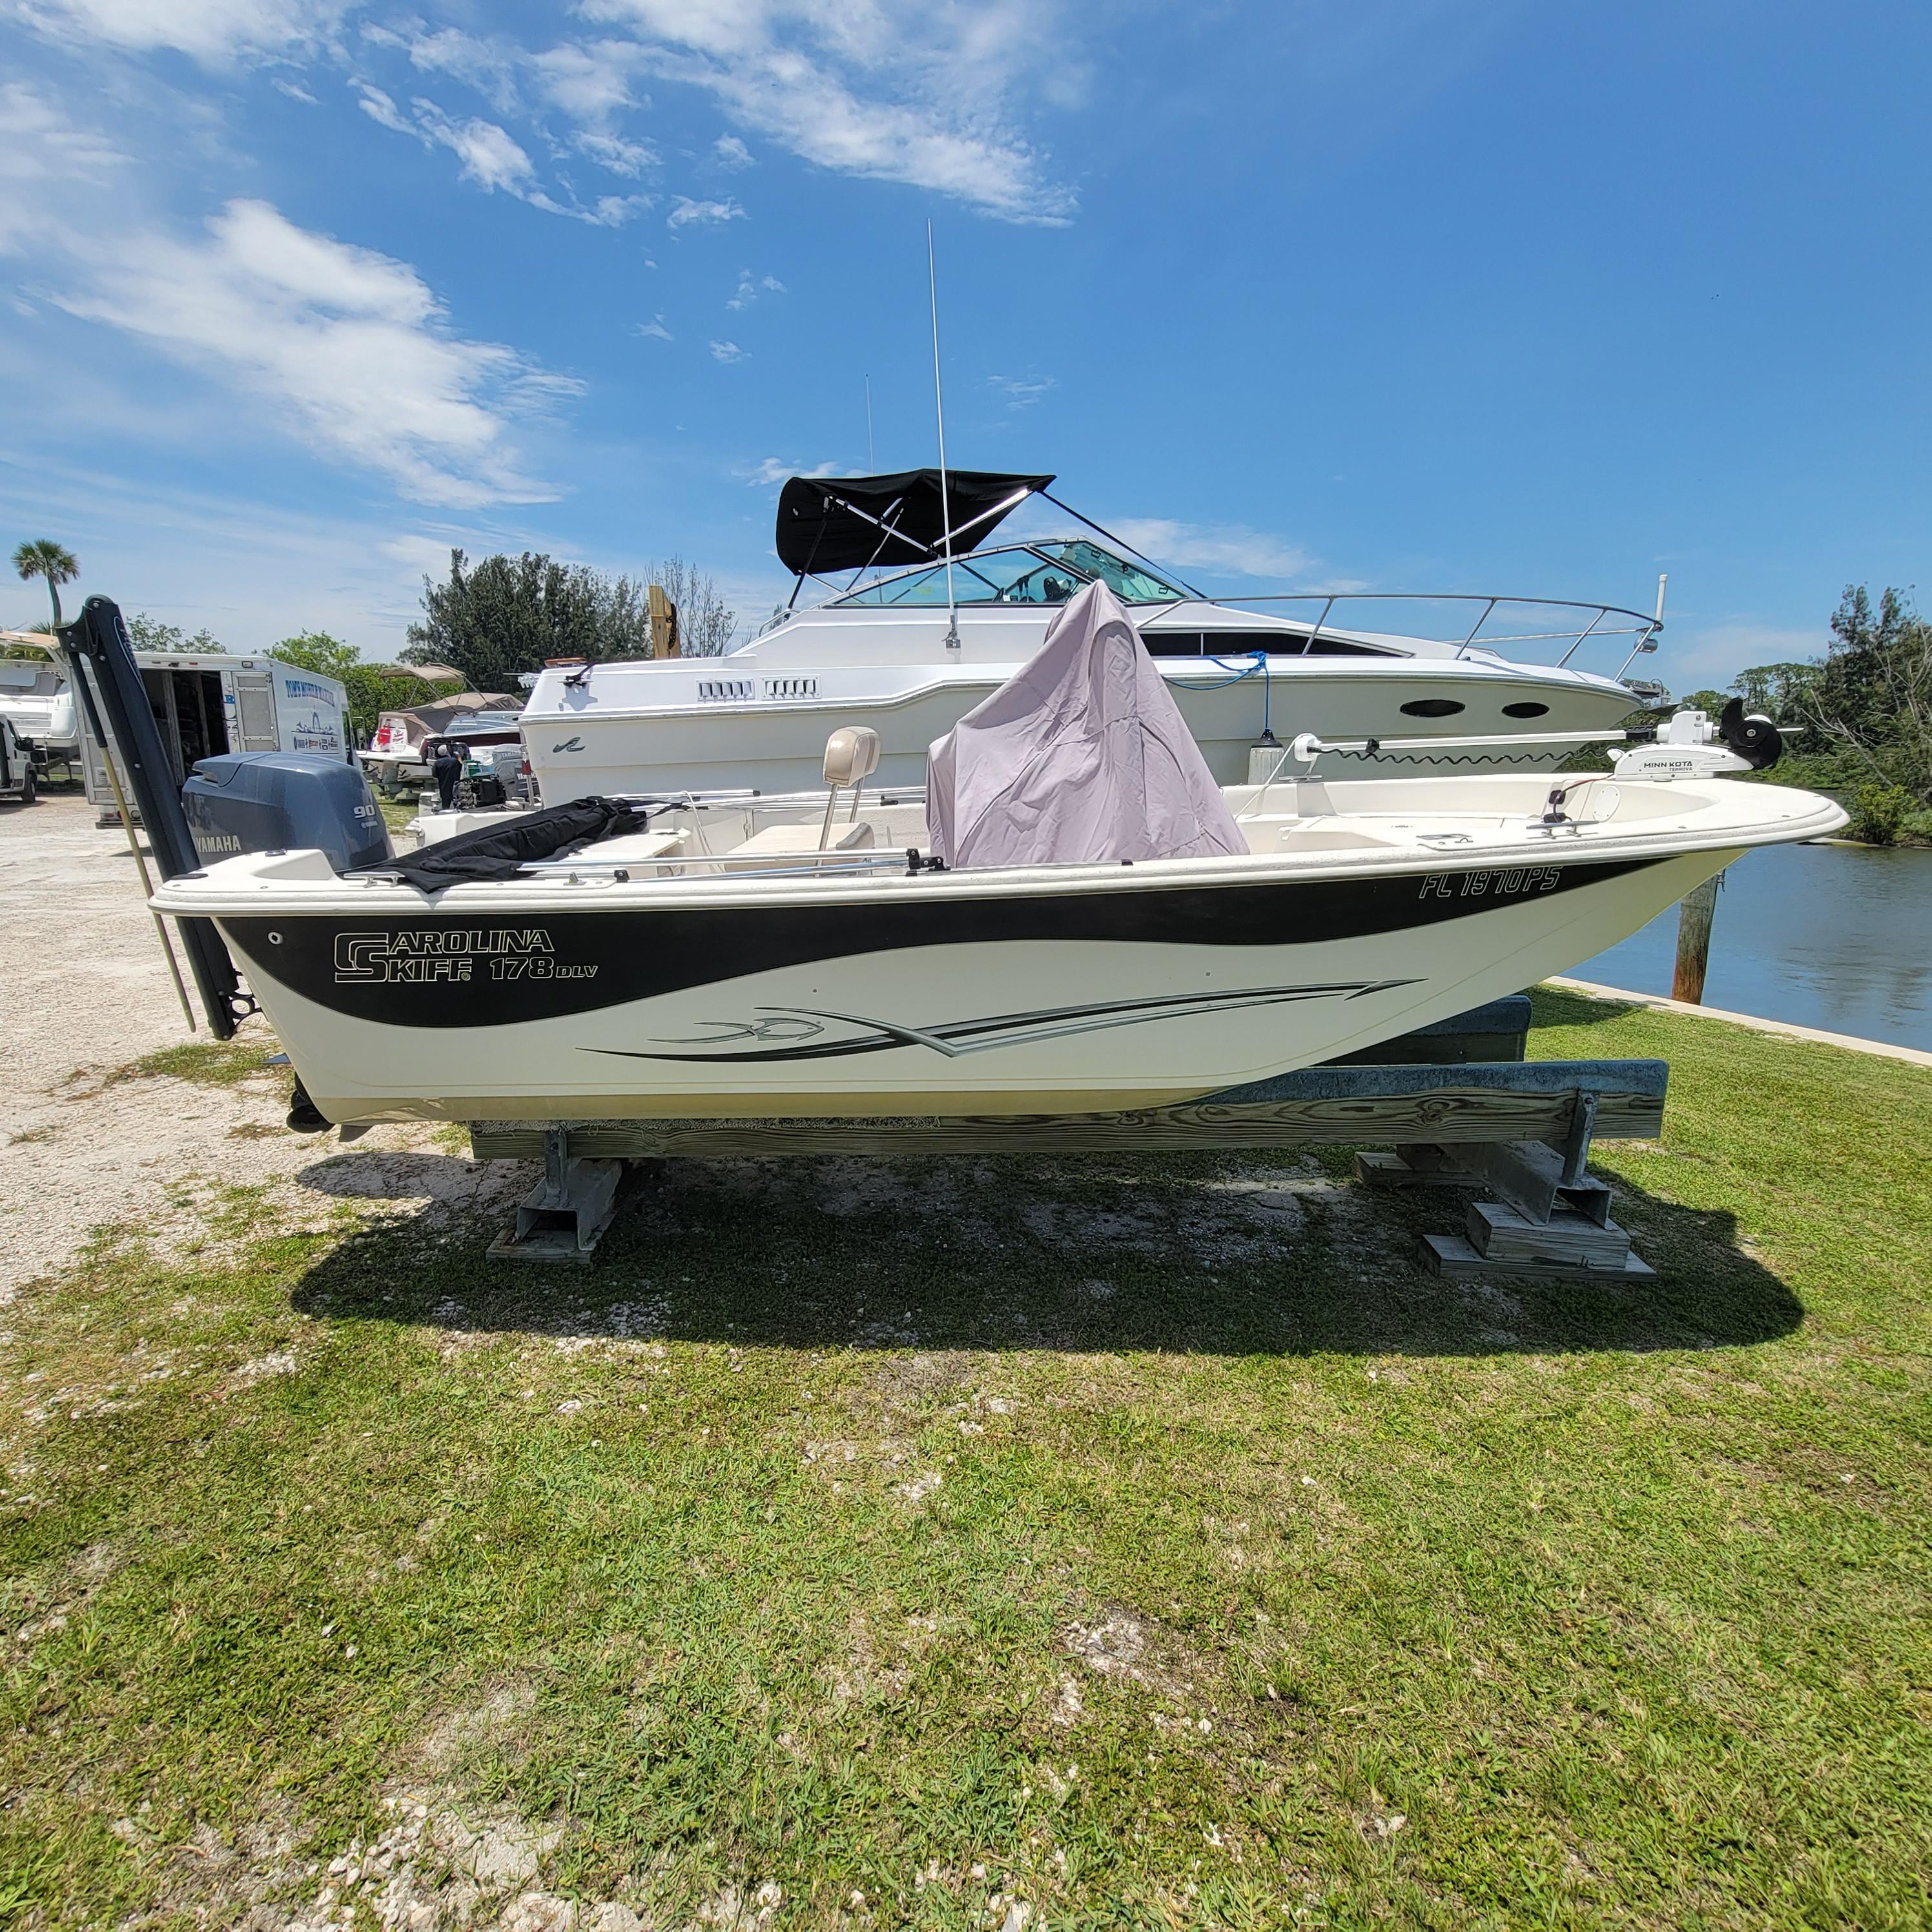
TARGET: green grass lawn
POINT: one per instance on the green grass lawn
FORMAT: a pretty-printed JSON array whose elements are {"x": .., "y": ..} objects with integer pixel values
[
  {"x": 1082, "y": 1543},
  {"x": 398, "y": 813}
]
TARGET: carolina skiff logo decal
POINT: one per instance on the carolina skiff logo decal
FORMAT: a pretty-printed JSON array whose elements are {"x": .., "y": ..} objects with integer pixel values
[
  {"x": 432, "y": 952},
  {"x": 1513, "y": 882},
  {"x": 799, "y": 1028}
]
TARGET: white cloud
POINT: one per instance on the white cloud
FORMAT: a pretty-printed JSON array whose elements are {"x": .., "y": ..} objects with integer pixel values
[
  {"x": 428, "y": 555},
  {"x": 748, "y": 290},
  {"x": 488, "y": 66},
  {"x": 350, "y": 347},
  {"x": 684, "y": 211},
  {"x": 617, "y": 155},
  {"x": 609, "y": 211},
  {"x": 294, "y": 90},
  {"x": 38, "y": 145},
  {"x": 728, "y": 352},
  {"x": 493, "y": 159},
  {"x": 489, "y": 157},
  {"x": 215, "y": 32},
  {"x": 918, "y": 95},
  {"x": 1233, "y": 547},
  {"x": 590, "y": 83},
  {"x": 770, "y": 470},
  {"x": 380, "y": 108},
  {"x": 1021, "y": 392},
  {"x": 731, "y": 152},
  {"x": 655, "y": 328},
  {"x": 250, "y": 570}
]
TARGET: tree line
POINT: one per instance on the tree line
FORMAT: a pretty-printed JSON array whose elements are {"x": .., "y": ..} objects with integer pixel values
[
  {"x": 1858, "y": 718},
  {"x": 506, "y": 616}
]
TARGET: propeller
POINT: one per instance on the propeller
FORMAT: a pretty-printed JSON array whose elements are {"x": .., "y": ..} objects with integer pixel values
[{"x": 1756, "y": 740}]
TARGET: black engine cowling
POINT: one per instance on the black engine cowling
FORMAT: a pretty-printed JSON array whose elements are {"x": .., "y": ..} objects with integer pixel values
[{"x": 284, "y": 802}]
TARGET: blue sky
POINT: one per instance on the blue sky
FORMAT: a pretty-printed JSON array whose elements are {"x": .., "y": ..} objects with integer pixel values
[{"x": 1413, "y": 294}]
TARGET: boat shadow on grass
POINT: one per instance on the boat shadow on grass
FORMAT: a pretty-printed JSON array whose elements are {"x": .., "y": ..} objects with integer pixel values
[
  {"x": 1555, "y": 1006},
  {"x": 1228, "y": 1254}
]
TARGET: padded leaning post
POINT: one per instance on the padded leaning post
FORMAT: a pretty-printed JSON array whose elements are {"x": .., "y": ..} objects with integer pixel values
[{"x": 851, "y": 756}]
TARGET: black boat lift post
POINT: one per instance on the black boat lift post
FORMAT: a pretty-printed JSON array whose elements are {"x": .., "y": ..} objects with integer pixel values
[
  {"x": 80, "y": 684},
  {"x": 97, "y": 639}
]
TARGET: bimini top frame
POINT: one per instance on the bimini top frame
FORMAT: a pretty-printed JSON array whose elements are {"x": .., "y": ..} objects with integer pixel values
[{"x": 865, "y": 524}]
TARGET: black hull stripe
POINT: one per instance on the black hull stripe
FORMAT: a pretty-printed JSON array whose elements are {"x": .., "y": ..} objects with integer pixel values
[{"x": 587, "y": 960}]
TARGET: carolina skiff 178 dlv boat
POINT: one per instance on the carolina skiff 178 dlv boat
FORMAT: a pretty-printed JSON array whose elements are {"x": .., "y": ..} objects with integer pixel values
[
  {"x": 1076, "y": 918},
  {"x": 928, "y": 616}
]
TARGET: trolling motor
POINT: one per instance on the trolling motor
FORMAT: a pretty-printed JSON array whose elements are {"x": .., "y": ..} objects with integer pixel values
[{"x": 1690, "y": 746}]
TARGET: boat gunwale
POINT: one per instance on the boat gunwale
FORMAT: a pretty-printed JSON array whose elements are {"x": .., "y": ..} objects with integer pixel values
[{"x": 204, "y": 894}]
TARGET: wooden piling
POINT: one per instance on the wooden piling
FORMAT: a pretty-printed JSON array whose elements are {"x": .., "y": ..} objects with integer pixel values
[
  {"x": 665, "y": 640},
  {"x": 1694, "y": 941}
]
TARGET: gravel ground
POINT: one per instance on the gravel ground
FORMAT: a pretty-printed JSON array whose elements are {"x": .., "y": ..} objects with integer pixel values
[{"x": 88, "y": 992}]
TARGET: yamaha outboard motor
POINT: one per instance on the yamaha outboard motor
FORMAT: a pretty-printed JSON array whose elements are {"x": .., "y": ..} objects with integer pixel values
[{"x": 284, "y": 801}]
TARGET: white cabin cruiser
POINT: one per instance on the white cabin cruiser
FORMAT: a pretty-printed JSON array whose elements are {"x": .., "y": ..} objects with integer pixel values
[
  {"x": 933, "y": 618},
  {"x": 35, "y": 697},
  {"x": 1141, "y": 936}
]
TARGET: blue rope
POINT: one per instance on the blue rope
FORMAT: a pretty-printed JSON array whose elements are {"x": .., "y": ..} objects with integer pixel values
[{"x": 1259, "y": 664}]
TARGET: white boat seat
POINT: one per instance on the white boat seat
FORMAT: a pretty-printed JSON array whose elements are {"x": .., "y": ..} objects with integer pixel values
[
  {"x": 785, "y": 844},
  {"x": 787, "y": 838},
  {"x": 635, "y": 845}
]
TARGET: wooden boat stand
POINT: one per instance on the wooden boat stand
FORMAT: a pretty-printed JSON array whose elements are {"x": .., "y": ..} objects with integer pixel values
[{"x": 1462, "y": 1105}]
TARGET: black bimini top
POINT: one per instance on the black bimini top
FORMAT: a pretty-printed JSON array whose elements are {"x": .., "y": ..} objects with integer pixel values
[{"x": 853, "y": 523}]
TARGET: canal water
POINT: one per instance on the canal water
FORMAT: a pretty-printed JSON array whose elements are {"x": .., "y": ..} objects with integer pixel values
[{"x": 1832, "y": 936}]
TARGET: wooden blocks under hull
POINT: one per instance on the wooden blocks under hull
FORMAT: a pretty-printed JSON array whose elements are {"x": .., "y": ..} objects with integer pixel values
[
  {"x": 564, "y": 1216},
  {"x": 1460, "y": 1259},
  {"x": 1519, "y": 1129},
  {"x": 1322, "y": 1106},
  {"x": 1548, "y": 1235}
]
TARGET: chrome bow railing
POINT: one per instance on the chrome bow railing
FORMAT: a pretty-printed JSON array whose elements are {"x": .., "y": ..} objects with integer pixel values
[{"x": 1601, "y": 624}]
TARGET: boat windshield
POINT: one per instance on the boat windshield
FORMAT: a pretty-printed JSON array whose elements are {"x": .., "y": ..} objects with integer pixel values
[
  {"x": 1038, "y": 573},
  {"x": 30, "y": 674}
]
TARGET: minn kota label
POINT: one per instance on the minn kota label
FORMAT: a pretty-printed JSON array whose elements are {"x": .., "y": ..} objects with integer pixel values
[{"x": 450, "y": 954}]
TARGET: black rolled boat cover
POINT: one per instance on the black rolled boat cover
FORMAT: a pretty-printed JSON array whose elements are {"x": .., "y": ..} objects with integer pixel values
[{"x": 497, "y": 851}]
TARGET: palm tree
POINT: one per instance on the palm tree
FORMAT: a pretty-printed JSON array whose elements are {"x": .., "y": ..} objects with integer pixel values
[{"x": 44, "y": 557}]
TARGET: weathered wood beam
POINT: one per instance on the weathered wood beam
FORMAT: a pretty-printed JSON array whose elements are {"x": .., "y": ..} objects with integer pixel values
[{"x": 1321, "y": 1106}]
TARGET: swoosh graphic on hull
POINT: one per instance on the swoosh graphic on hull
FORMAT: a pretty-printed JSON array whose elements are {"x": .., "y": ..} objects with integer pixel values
[{"x": 956, "y": 1038}]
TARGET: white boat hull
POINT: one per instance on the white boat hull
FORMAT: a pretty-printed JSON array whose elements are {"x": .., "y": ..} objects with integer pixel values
[
  {"x": 645, "y": 727},
  {"x": 1362, "y": 912}
]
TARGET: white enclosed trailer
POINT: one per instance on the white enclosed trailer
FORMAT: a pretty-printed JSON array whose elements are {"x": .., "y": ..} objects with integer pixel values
[{"x": 205, "y": 704}]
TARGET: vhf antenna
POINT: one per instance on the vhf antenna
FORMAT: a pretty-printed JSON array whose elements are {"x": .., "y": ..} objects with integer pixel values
[{"x": 945, "y": 491}]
